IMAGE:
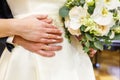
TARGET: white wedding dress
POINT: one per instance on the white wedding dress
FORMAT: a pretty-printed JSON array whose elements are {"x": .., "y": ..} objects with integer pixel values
[{"x": 71, "y": 63}]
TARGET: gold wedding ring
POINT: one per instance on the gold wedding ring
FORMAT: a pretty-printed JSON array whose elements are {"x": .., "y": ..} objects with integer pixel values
[
  {"x": 45, "y": 48},
  {"x": 48, "y": 36}
]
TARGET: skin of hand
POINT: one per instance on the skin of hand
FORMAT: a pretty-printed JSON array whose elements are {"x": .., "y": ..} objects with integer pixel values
[
  {"x": 6, "y": 27},
  {"x": 36, "y": 47},
  {"x": 44, "y": 48},
  {"x": 92, "y": 52},
  {"x": 37, "y": 28}
]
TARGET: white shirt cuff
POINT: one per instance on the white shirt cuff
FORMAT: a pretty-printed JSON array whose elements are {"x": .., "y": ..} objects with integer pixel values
[{"x": 10, "y": 39}]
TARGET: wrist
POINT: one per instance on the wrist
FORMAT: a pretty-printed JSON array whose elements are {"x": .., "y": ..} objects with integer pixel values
[
  {"x": 16, "y": 40},
  {"x": 7, "y": 27},
  {"x": 19, "y": 41},
  {"x": 15, "y": 27},
  {"x": 12, "y": 26}
]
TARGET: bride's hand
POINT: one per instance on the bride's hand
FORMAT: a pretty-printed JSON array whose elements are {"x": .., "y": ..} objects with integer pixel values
[
  {"x": 37, "y": 28},
  {"x": 38, "y": 48}
]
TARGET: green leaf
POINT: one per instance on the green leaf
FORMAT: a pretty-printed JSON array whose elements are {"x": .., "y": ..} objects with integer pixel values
[
  {"x": 119, "y": 7},
  {"x": 115, "y": 26},
  {"x": 87, "y": 44},
  {"x": 64, "y": 11},
  {"x": 107, "y": 41},
  {"x": 88, "y": 36},
  {"x": 83, "y": 40},
  {"x": 115, "y": 13},
  {"x": 109, "y": 47},
  {"x": 67, "y": 35},
  {"x": 92, "y": 45},
  {"x": 117, "y": 37},
  {"x": 98, "y": 45},
  {"x": 110, "y": 33},
  {"x": 91, "y": 9},
  {"x": 82, "y": 2},
  {"x": 86, "y": 49},
  {"x": 82, "y": 28}
]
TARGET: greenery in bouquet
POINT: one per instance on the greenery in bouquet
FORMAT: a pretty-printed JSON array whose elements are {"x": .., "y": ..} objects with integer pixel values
[{"x": 97, "y": 21}]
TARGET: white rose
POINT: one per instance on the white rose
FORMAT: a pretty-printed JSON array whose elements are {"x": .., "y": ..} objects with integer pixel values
[
  {"x": 74, "y": 32},
  {"x": 102, "y": 16},
  {"x": 75, "y": 16},
  {"x": 103, "y": 30},
  {"x": 74, "y": 24},
  {"x": 111, "y": 4}
]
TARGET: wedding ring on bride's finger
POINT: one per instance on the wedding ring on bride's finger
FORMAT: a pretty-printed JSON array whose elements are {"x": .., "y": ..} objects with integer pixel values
[
  {"x": 45, "y": 48},
  {"x": 48, "y": 36}
]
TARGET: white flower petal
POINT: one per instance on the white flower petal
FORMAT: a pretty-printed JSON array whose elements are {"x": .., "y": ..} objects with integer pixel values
[
  {"x": 101, "y": 15},
  {"x": 78, "y": 12},
  {"x": 102, "y": 20},
  {"x": 112, "y": 35},
  {"x": 74, "y": 32},
  {"x": 75, "y": 24},
  {"x": 67, "y": 22},
  {"x": 75, "y": 15},
  {"x": 104, "y": 30},
  {"x": 111, "y": 4}
]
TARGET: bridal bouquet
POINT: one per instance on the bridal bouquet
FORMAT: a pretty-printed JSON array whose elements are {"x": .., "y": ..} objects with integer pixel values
[{"x": 96, "y": 21}]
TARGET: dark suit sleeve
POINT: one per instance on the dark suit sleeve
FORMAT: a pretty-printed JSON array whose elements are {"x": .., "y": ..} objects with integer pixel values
[
  {"x": 5, "y": 13},
  {"x": 2, "y": 44}
]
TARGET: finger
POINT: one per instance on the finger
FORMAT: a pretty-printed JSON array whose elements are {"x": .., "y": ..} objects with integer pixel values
[
  {"x": 52, "y": 36},
  {"x": 40, "y": 17},
  {"x": 92, "y": 52},
  {"x": 51, "y": 48},
  {"x": 53, "y": 31},
  {"x": 49, "y": 25},
  {"x": 46, "y": 53},
  {"x": 49, "y": 21},
  {"x": 50, "y": 41}
]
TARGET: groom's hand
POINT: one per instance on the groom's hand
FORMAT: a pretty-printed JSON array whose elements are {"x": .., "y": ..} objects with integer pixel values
[
  {"x": 92, "y": 52},
  {"x": 36, "y": 47},
  {"x": 37, "y": 28}
]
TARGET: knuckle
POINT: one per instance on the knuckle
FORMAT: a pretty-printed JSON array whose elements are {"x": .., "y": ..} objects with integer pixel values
[
  {"x": 35, "y": 38},
  {"x": 52, "y": 36},
  {"x": 35, "y": 50},
  {"x": 42, "y": 40}
]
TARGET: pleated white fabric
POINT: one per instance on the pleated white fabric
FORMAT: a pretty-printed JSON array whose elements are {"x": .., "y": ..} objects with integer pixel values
[{"x": 71, "y": 63}]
